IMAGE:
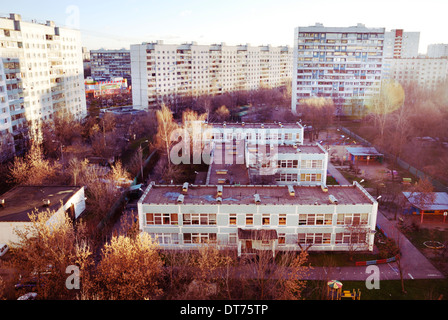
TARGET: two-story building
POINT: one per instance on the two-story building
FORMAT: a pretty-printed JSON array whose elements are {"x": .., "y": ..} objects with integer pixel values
[{"x": 248, "y": 218}]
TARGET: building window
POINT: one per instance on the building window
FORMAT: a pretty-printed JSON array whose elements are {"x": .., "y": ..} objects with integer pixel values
[
  {"x": 282, "y": 220},
  {"x": 315, "y": 219},
  {"x": 302, "y": 219},
  {"x": 314, "y": 238},
  {"x": 249, "y": 219},
  {"x": 202, "y": 219},
  {"x": 191, "y": 238},
  {"x": 281, "y": 239},
  {"x": 232, "y": 219},
  {"x": 165, "y": 238},
  {"x": 310, "y": 177},
  {"x": 266, "y": 219},
  {"x": 312, "y": 164},
  {"x": 353, "y": 219},
  {"x": 162, "y": 219},
  {"x": 351, "y": 238}
]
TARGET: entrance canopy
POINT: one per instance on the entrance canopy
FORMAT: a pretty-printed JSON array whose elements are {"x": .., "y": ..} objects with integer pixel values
[{"x": 254, "y": 234}]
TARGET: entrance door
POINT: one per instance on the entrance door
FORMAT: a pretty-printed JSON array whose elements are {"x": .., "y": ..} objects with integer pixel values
[{"x": 248, "y": 244}]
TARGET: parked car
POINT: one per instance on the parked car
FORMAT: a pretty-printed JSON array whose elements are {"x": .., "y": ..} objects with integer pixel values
[
  {"x": 28, "y": 296},
  {"x": 3, "y": 249}
]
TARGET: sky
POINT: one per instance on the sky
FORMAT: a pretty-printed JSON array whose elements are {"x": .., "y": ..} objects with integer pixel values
[{"x": 116, "y": 24}]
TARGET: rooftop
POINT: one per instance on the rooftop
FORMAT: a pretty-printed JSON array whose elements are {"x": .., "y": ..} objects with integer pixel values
[
  {"x": 245, "y": 125},
  {"x": 363, "y": 151},
  {"x": 306, "y": 148},
  {"x": 228, "y": 166},
  {"x": 245, "y": 194},
  {"x": 419, "y": 200},
  {"x": 22, "y": 200}
]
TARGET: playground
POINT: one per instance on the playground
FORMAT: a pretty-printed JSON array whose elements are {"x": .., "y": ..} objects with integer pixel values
[{"x": 335, "y": 292}]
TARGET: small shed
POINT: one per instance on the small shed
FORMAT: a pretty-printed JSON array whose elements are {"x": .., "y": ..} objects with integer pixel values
[
  {"x": 423, "y": 204},
  {"x": 364, "y": 154}
]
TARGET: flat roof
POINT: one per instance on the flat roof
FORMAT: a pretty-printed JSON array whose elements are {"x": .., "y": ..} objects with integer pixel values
[
  {"x": 417, "y": 200},
  {"x": 252, "y": 125},
  {"x": 22, "y": 200},
  {"x": 244, "y": 194},
  {"x": 363, "y": 151},
  {"x": 234, "y": 171}
]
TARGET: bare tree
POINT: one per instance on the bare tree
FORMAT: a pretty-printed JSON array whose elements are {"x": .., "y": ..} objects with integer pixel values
[
  {"x": 166, "y": 126},
  {"x": 318, "y": 113}
]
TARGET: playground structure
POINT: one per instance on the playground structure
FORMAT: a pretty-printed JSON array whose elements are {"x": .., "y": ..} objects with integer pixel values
[{"x": 334, "y": 292}]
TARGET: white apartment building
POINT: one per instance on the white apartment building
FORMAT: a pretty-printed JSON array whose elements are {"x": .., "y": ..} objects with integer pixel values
[
  {"x": 107, "y": 64},
  {"x": 50, "y": 77},
  {"x": 437, "y": 50},
  {"x": 423, "y": 72},
  {"x": 162, "y": 71},
  {"x": 13, "y": 126},
  {"x": 247, "y": 218},
  {"x": 401, "y": 44},
  {"x": 341, "y": 63}
]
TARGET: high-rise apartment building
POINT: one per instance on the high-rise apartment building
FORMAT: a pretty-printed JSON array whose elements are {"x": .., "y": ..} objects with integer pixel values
[
  {"x": 160, "y": 71},
  {"x": 401, "y": 44},
  {"x": 424, "y": 72},
  {"x": 43, "y": 74},
  {"x": 107, "y": 64},
  {"x": 438, "y": 50},
  {"x": 341, "y": 63}
]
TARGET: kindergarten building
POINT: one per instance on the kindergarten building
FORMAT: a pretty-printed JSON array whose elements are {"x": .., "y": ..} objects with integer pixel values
[
  {"x": 248, "y": 218},
  {"x": 296, "y": 211}
]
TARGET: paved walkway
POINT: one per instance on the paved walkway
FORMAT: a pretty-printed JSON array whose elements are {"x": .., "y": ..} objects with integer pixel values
[
  {"x": 337, "y": 175},
  {"x": 415, "y": 264}
]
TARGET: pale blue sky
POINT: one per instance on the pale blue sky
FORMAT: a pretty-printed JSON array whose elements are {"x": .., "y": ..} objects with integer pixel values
[{"x": 119, "y": 23}]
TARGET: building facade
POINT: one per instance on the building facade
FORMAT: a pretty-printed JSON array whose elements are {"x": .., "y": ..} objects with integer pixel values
[
  {"x": 437, "y": 50},
  {"x": 16, "y": 204},
  {"x": 304, "y": 164},
  {"x": 254, "y": 217},
  {"x": 401, "y": 44},
  {"x": 116, "y": 85},
  {"x": 13, "y": 125},
  {"x": 340, "y": 63},
  {"x": 163, "y": 71},
  {"x": 47, "y": 78},
  {"x": 424, "y": 72},
  {"x": 107, "y": 64}
]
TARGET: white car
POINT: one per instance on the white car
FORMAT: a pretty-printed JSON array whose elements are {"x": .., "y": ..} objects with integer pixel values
[
  {"x": 3, "y": 249},
  {"x": 28, "y": 296}
]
